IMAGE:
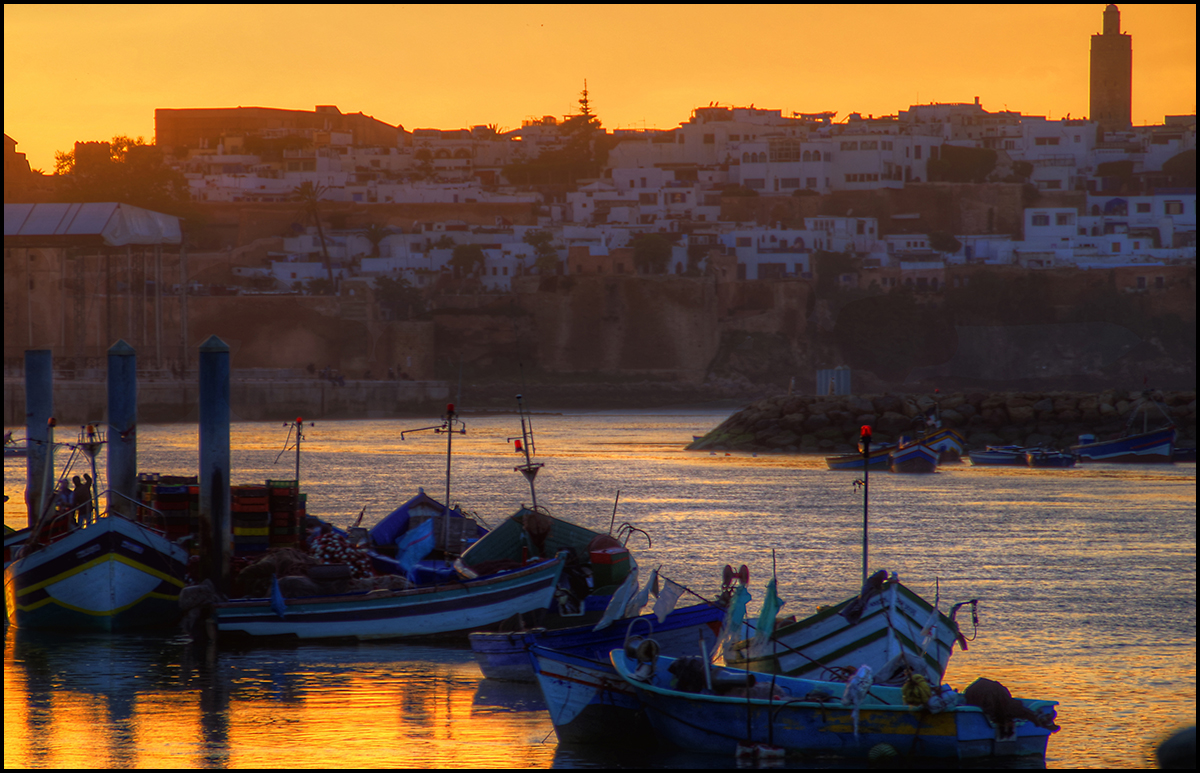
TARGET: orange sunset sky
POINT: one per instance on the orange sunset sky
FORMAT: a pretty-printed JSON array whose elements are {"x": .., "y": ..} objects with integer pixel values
[{"x": 90, "y": 72}]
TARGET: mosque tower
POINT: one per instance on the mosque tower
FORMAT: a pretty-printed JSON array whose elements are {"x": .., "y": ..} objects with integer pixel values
[{"x": 1112, "y": 75}]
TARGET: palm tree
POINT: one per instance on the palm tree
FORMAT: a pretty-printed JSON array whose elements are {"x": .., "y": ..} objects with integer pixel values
[
  {"x": 375, "y": 234},
  {"x": 309, "y": 195}
]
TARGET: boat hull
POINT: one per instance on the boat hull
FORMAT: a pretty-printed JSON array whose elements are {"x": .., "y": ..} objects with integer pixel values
[
  {"x": 588, "y": 702},
  {"x": 719, "y": 724},
  {"x": 915, "y": 458},
  {"x": 949, "y": 443},
  {"x": 879, "y": 459},
  {"x": 451, "y": 608},
  {"x": 999, "y": 457},
  {"x": 1147, "y": 448},
  {"x": 827, "y": 645},
  {"x": 110, "y": 575},
  {"x": 506, "y": 655}
]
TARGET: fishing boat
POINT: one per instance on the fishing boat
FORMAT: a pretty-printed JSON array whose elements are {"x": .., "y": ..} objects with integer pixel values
[
  {"x": 1155, "y": 446},
  {"x": 506, "y": 655},
  {"x": 1049, "y": 457},
  {"x": 887, "y": 626},
  {"x": 589, "y": 703},
  {"x": 879, "y": 459},
  {"x": 72, "y": 571},
  {"x": 1147, "y": 446},
  {"x": 949, "y": 443},
  {"x": 455, "y": 607},
  {"x": 108, "y": 575},
  {"x": 914, "y": 456},
  {"x": 1000, "y": 456},
  {"x": 743, "y": 712}
]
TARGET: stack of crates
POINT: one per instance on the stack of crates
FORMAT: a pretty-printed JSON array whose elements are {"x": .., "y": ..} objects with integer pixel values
[
  {"x": 251, "y": 519},
  {"x": 286, "y": 513},
  {"x": 177, "y": 500}
]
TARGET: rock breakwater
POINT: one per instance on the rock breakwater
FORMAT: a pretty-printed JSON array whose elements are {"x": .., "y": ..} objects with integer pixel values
[{"x": 812, "y": 424}]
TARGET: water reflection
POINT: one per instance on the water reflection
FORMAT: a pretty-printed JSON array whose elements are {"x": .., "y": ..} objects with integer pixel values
[{"x": 108, "y": 701}]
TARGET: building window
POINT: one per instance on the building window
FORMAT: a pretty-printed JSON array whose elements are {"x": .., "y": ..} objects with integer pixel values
[
  {"x": 710, "y": 139},
  {"x": 1143, "y": 207},
  {"x": 1041, "y": 220},
  {"x": 869, "y": 145},
  {"x": 1045, "y": 141},
  {"x": 1173, "y": 207},
  {"x": 756, "y": 183},
  {"x": 790, "y": 182},
  {"x": 744, "y": 241},
  {"x": 846, "y": 145},
  {"x": 810, "y": 182},
  {"x": 1064, "y": 218}
]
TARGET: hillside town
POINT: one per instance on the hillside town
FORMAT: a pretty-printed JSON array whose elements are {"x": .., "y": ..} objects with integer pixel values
[{"x": 324, "y": 203}]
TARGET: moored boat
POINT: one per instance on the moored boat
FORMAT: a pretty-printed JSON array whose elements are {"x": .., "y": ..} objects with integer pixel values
[
  {"x": 880, "y": 458},
  {"x": 914, "y": 457},
  {"x": 1154, "y": 447},
  {"x": 887, "y": 627},
  {"x": 506, "y": 655},
  {"x": 788, "y": 715},
  {"x": 1048, "y": 457},
  {"x": 457, "y": 606},
  {"x": 107, "y": 575},
  {"x": 999, "y": 456}
]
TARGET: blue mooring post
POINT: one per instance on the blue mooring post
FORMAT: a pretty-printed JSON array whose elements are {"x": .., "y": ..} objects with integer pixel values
[
  {"x": 216, "y": 525},
  {"x": 122, "y": 428},
  {"x": 39, "y": 407}
]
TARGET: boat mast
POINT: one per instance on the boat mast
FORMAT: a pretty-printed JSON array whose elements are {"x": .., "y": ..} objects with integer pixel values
[
  {"x": 866, "y": 452},
  {"x": 447, "y": 426},
  {"x": 525, "y": 445}
]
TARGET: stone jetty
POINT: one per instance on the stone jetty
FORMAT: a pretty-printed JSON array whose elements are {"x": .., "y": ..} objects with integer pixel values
[{"x": 815, "y": 424}]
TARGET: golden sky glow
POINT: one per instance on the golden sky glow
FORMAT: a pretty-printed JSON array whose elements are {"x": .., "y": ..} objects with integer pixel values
[{"x": 90, "y": 72}]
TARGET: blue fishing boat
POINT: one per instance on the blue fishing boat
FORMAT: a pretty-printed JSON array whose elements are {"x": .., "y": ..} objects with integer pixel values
[
  {"x": 1155, "y": 446},
  {"x": 727, "y": 711},
  {"x": 999, "y": 456},
  {"x": 880, "y": 458},
  {"x": 914, "y": 457},
  {"x": 1048, "y": 457},
  {"x": 506, "y": 655}
]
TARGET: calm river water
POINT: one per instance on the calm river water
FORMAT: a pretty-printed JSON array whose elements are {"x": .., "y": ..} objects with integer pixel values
[{"x": 1086, "y": 580}]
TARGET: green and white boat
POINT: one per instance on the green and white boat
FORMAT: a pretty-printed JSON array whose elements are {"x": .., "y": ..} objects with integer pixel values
[{"x": 887, "y": 626}]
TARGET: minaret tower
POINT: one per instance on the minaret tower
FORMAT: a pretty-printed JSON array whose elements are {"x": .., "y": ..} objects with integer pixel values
[{"x": 1112, "y": 75}]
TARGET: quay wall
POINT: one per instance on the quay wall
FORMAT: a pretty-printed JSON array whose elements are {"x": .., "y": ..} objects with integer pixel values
[
  {"x": 79, "y": 402},
  {"x": 832, "y": 423}
]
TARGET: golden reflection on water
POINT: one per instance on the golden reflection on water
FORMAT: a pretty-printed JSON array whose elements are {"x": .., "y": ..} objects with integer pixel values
[{"x": 339, "y": 706}]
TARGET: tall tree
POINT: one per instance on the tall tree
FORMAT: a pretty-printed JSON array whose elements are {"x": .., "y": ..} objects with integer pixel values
[
  {"x": 309, "y": 195},
  {"x": 125, "y": 170}
]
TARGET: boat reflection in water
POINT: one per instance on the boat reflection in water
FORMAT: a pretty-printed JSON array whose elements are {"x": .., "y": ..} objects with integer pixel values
[{"x": 149, "y": 701}]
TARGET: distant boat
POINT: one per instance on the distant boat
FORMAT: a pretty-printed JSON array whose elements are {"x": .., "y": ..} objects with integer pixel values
[
  {"x": 914, "y": 457},
  {"x": 949, "y": 443},
  {"x": 12, "y": 448},
  {"x": 1000, "y": 456},
  {"x": 1048, "y": 457},
  {"x": 880, "y": 459},
  {"x": 1147, "y": 446}
]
